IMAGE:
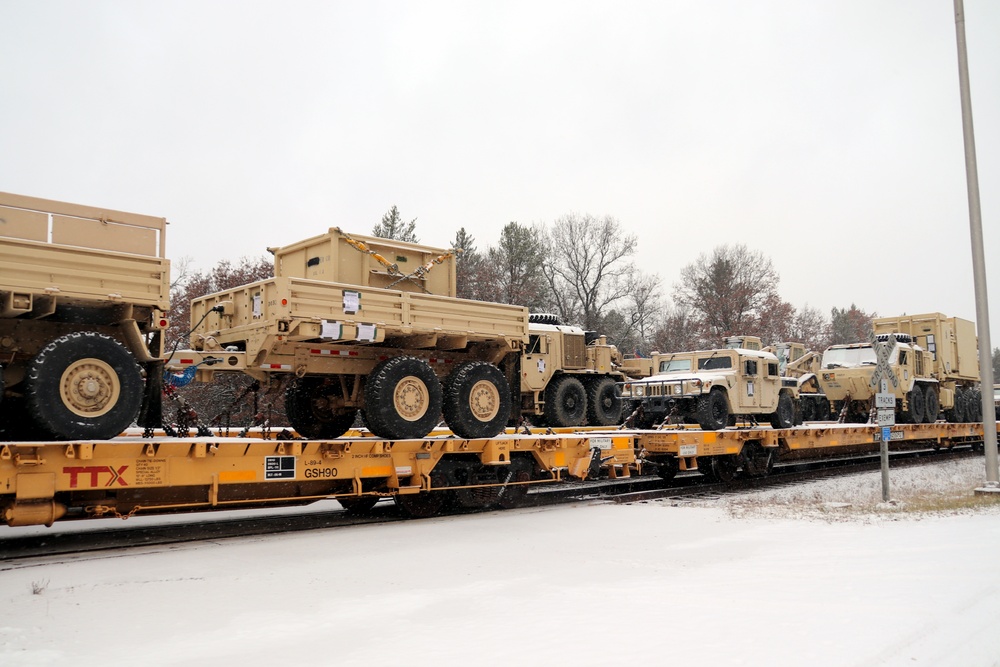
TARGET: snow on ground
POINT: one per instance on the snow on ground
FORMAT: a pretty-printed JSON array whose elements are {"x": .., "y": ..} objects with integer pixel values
[{"x": 818, "y": 574}]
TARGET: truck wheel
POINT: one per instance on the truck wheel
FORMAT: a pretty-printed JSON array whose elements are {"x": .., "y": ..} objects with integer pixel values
[
  {"x": 565, "y": 402},
  {"x": 915, "y": 405},
  {"x": 713, "y": 411},
  {"x": 477, "y": 401},
  {"x": 824, "y": 410},
  {"x": 784, "y": 415},
  {"x": 604, "y": 402},
  {"x": 309, "y": 411},
  {"x": 402, "y": 399},
  {"x": 83, "y": 386},
  {"x": 931, "y": 404}
]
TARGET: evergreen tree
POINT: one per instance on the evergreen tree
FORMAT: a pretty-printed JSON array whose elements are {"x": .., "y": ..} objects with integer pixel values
[{"x": 393, "y": 227}]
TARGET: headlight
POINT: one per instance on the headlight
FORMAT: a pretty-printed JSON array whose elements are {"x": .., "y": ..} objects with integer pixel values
[
  {"x": 638, "y": 390},
  {"x": 678, "y": 389}
]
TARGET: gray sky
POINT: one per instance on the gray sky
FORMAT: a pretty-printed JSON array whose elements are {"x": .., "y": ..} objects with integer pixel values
[{"x": 825, "y": 134}]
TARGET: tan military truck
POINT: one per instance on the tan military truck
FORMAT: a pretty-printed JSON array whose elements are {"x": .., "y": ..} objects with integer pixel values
[
  {"x": 569, "y": 376},
  {"x": 84, "y": 293},
  {"x": 933, "y": 358},
  {"x": 714, "y": 387},
  {"x": 954, "y": 360}
]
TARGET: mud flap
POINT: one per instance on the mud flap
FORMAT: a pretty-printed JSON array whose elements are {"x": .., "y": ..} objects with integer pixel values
[{"x": 151, "y": 411}]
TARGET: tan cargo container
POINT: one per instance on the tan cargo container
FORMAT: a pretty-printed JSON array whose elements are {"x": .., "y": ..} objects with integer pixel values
[
  {"x": 83, "y": 297},
  {"x": 336, "y": 257}
]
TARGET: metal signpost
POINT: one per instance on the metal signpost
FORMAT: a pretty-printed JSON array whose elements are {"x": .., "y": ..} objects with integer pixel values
[{"x": 885, "y": 402}]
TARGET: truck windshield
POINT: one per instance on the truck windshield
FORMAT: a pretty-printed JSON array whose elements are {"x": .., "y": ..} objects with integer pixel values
[
  {"x": 675, "y": 365},
  {"x": 714, "y": 363},
  {"x": 849, "y": 357}
]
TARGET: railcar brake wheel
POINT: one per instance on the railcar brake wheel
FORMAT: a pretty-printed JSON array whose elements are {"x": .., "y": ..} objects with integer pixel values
[{"x": 83, "y": 385}]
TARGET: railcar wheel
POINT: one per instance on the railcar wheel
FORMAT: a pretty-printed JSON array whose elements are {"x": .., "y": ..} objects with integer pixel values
[
  {"x": 358, "y": 504},
  {"x": 758, "y": 461},
  {"x": 308, "y": 409},
  {"x": 668, "y": 468},
  {"x": 565, "y": 402},
  {"x": 84, "y": 385},
  {"x": 784, "y": 415},
  {"x": 403, "y": 399},
  {"x": 724, "y": 467},
  {"x": 604, "y": 402},
  {"x": 422, "y": 505},
  {"x": 512, "y": 495},
  {"x": 477, "y": 401},
  {"x": 713, "y": 411},
  {"x": 915, "y": 403},
  {"x": 932, "y": 406}
]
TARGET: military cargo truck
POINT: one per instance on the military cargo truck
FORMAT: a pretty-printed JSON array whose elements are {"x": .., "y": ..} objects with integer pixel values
[
  {"x": 714, "y": 387},
  {"x": 933, "y": 357},
  {"x": 954, "y": 360},
  {"x": 354, "y": 320},
  {"x": 84, "y": 294},
  {"x": 569, "y": 376}
]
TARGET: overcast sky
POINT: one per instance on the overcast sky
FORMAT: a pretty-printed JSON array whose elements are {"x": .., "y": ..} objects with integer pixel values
[{"x": 825, "y": 134}]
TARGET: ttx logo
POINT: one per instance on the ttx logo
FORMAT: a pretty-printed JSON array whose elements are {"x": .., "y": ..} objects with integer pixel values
[{"x": 95, "y": 472}]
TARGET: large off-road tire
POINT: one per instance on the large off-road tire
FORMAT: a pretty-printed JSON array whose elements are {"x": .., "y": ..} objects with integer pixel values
[
  {"x": 784, "y": 415},
  {"x": 565, "y": 402},
  {"x": 713, "y": 411},
  {"x": 309, "y": 413},
  {"x": 915, "y": 405},
  {"x": 477, "y": 400},
  {"x": 974, "y": 406},
  {"x": 932, "y": 406},
  {"x": 402, "y": 399},
  {"x": 83, "y": 386},
  {"x": 604, "y": 402}
]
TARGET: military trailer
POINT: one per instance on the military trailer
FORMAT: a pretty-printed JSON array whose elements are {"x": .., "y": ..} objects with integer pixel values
[
  {"x": 84, "y": 294},
  {"x": 372, "y": 324},
  {"x": 714, "y": 387}
]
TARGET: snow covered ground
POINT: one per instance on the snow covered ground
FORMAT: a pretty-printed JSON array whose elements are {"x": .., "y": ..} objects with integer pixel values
[{"x": 819, "y": 574}]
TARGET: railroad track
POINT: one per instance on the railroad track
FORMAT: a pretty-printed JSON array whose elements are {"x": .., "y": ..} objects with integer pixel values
[{"x": 22, "y": 551}]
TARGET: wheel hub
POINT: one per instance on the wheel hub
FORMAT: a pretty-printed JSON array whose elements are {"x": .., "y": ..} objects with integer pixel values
[
  {"x": 411, "y": 398},
  {"x": 89, "y": 388},
  {"x": 484, "y": 401}
]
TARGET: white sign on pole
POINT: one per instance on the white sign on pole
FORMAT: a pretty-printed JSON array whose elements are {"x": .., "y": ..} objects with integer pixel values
[
  {"x": 885, "y": 400},
  {"x": 886, "y": 417}
]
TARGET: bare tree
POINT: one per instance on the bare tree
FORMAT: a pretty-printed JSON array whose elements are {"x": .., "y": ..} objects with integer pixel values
[
  {"x": 729, "y": 290},
  {"x": 393, "y": 227},
  {"x": 588, "y": 271},
  {"x": 679, "y": 331},
  {"x": 811, "y": 328},
  {"x": 512, "y": 270}
]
